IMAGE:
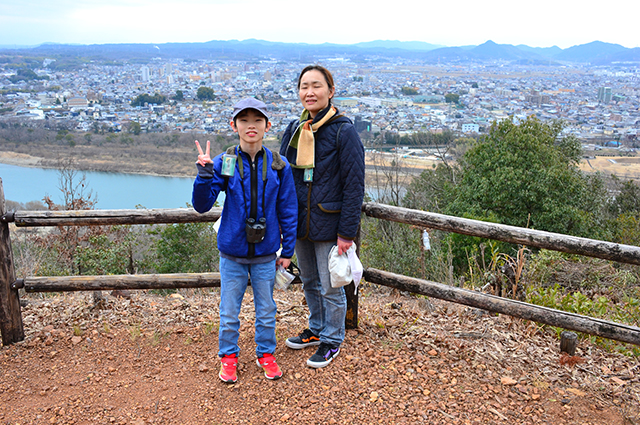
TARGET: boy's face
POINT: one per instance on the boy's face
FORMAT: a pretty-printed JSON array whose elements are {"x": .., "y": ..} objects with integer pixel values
[{"x": 250, "y": 126}]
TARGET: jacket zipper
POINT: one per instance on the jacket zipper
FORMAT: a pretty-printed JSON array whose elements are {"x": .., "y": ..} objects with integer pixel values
[
  {"x": 308, "y": 208},
  {"x": 253, "y": 213}
]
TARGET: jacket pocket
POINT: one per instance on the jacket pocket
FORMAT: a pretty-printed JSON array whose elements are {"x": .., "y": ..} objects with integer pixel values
[{"x": 330, "y": 207}]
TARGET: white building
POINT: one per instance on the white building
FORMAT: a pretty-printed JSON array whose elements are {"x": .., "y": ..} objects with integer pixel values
[{"x": 470, "y": 128}]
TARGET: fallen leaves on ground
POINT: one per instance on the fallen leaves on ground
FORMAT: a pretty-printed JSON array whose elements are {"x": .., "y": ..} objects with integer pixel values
[{"x": 153, "y": 360}]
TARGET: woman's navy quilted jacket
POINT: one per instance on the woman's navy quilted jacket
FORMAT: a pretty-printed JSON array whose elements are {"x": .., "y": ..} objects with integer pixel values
[{"x": 329, "y": 206}]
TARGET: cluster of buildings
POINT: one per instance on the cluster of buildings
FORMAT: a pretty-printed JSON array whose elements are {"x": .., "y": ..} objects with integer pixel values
[{"x": 599, "y": 104}]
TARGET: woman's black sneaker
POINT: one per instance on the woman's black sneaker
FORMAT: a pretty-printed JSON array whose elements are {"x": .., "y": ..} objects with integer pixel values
[
  {"x": 324, "y": 355},
  {"x": 305, "y": 339}
]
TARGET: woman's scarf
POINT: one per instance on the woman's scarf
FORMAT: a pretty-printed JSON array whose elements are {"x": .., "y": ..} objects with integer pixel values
[{"x": 303, "y": 139}]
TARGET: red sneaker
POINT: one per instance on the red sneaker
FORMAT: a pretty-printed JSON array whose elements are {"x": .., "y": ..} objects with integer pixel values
[
  {"x": 228, "y": 369},
  {"x": 268, "y": 363}
]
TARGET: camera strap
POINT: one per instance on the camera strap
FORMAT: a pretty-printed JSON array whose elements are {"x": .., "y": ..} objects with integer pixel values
[{"x": 264, "y": 180}]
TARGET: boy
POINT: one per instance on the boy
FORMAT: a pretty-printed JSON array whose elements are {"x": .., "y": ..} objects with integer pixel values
[{"x": 260, "y": 210}]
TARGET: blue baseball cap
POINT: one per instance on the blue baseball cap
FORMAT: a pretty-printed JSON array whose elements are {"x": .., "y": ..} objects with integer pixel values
[{"x": 250, "y": 103}]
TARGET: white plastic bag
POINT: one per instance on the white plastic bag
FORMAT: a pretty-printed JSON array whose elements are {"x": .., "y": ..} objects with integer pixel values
[
  {"x": 283, "y": 278},
  {"x": 426, "y": 243},
  {"x": 345, "y": 268},
  {"x": 356, "y": 266}
]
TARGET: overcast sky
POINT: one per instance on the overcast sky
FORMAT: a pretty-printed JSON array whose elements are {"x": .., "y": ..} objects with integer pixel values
[{"x": 543, "y": 23}]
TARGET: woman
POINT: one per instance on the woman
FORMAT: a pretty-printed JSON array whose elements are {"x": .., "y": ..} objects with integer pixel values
[{"x": 327, "y": 160}]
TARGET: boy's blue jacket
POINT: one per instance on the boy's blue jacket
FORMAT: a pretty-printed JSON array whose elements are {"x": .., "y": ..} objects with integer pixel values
[{"x": 280, "y": 202}]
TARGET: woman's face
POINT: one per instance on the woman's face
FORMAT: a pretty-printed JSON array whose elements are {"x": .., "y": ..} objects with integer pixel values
[{"x": 314, "y": 92}]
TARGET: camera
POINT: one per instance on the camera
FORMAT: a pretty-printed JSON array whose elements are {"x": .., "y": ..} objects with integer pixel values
[{"x": 255, "y": 230}]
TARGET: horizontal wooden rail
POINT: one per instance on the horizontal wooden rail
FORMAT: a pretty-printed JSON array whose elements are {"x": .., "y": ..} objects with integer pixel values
[
  {"x": 126, "y": 281},
  {"x": 11, "y": 322},
  {"x": 112, "y": 282},
  {"x": 517, "y": 235},
  {"x": 536, "y": 313},
  {"x": 109, "y": 217},
  {"x": 536, "y": 238}
]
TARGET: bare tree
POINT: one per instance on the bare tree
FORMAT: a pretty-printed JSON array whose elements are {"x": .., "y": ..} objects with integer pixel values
[
  {"x": 390, "y": 178},
  {"x": 73, "y": 185},
  {"x": 76, "y": 196}
]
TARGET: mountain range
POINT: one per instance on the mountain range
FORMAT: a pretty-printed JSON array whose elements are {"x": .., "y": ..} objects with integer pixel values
[{"x": 595, "y": 53}]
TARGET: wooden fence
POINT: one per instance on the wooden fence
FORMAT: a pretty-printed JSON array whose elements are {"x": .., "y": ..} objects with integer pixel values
[{"x": 11, "y": 319}]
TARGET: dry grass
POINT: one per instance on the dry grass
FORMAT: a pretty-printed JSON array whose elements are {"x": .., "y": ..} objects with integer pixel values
[{"x": 622, "y": 166}]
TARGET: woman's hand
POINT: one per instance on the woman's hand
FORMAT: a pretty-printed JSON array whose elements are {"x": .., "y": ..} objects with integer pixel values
[
  {"x": 284, "y": 262},
  {"x": 204, "y": 158},
  {"x": 343, "y": 245}
]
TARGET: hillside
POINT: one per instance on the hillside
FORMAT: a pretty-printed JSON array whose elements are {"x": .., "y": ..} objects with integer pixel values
[{"x": 596, "y": 52}]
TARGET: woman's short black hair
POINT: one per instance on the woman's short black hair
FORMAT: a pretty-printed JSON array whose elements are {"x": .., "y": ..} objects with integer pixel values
[{"x": 327, "y": 74}]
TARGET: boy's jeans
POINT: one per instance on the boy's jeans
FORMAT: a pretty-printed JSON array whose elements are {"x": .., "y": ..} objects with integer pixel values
[
  {"x": 327, "y": 305},
  {"x": 233, "y": 284}
]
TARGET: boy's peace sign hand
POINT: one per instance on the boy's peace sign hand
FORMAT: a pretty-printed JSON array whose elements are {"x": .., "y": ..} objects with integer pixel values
[{"x": 204, "y": 158}]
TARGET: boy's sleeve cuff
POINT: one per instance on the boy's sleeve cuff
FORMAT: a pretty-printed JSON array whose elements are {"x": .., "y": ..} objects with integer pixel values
[{"x": 205, "y": 172}]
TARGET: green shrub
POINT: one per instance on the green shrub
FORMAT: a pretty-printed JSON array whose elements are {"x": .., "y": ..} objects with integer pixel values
[
  {"x": 585, "y": 286},
  {"x": 183, "y": 248},
  {"x": 103, "y": 256}
]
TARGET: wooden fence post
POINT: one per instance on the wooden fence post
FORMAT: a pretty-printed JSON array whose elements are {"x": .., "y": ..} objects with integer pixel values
[
  {"x": 568, "y": 342},
  {"x": 351, "y": 319},
  {"x": 10, "y": 314}
]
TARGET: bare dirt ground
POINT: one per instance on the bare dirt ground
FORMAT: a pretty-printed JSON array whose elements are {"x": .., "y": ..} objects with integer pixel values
[
  {"x": 177, "y": 160},
  {"x": 152, "y": 360},
  {"x": 130, "y": 159}
]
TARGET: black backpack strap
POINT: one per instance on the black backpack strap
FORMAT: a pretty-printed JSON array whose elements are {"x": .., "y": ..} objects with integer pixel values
[
  {"x": 334, "y": 118},
  {"x": 339, "y": 128},
  {"x": 338, "y": 136}
]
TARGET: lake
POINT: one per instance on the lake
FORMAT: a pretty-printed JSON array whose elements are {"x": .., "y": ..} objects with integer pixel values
[{"x": 113, "y": 190}]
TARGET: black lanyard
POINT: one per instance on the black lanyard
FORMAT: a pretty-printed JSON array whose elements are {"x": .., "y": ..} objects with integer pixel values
[{"x": 264, "y": 179}]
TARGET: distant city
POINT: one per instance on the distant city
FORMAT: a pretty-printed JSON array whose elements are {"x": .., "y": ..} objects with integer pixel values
[{"x": 384, "y": 89}]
